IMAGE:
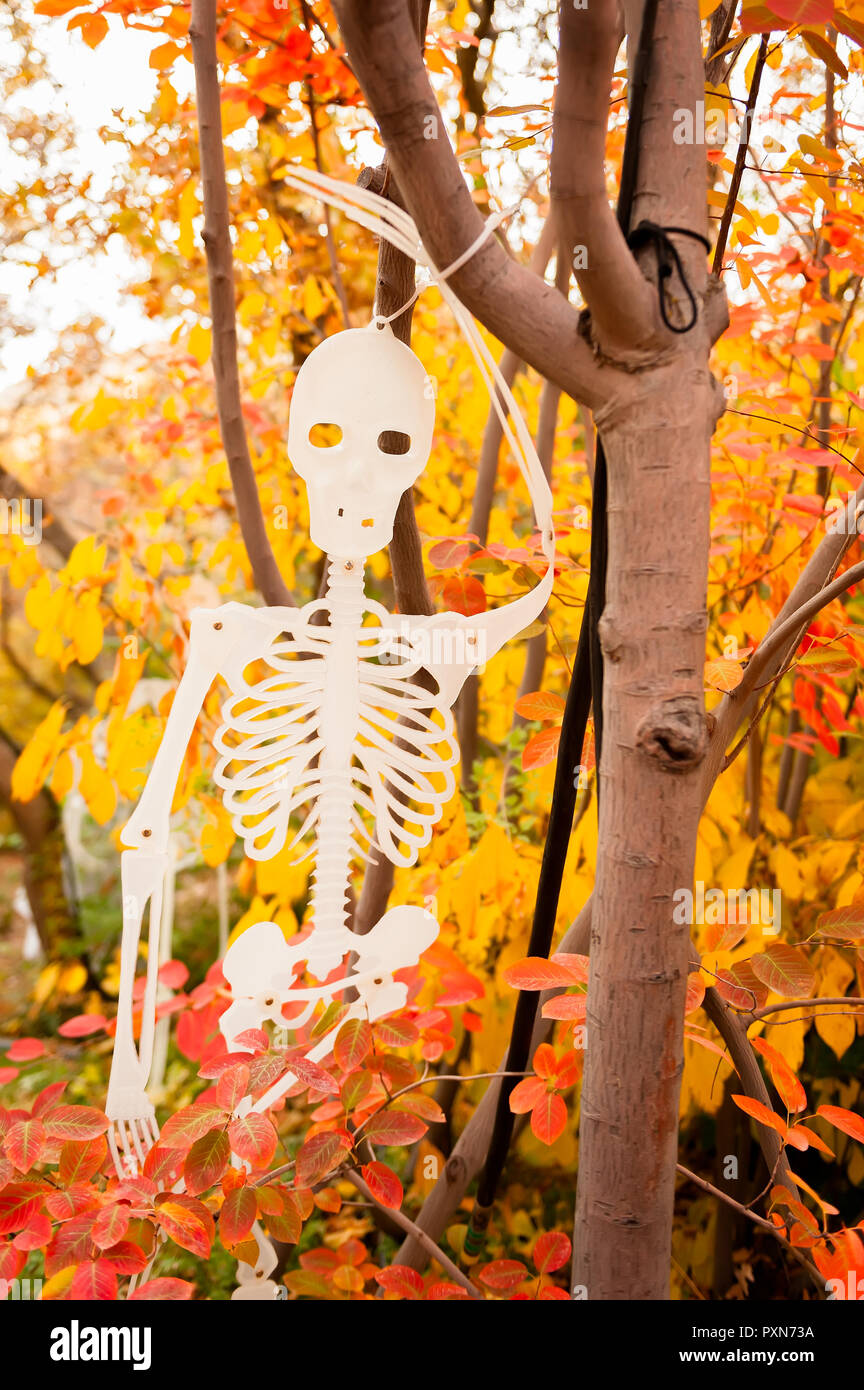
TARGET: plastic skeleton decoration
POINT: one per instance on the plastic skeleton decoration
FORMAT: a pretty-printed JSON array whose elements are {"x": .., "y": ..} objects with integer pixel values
[{"x": 334, "y": 724}]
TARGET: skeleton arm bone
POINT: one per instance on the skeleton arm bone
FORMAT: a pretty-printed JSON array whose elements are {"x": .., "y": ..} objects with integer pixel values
[{"x": 214, "y": 635}]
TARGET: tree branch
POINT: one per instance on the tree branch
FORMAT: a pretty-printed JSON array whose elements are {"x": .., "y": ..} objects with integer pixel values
[
  {"x": 220, "y": 271},
  {"x": 420, "y": 1236},
  {"x": 623, "y": 304},
  {"x": 523, "y": 313}
]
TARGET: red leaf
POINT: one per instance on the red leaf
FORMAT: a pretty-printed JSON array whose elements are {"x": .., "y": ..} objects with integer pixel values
[
  {"x": 24, "y": 1143},
  {"x": 254, "y": 1138},
  {"x": 401, "y": 1280},
  {"x": 448, "y": 554},
  {"x": 545, "y": 1062},
  {"x": 232, "y": 1086},
  {"x": 503, "y": 1274},
  {"x": 94, "y": 1280},
  {"x": 252, "y": 1040},
  {"x": 739, "y": 986},
  {"x": 48, "y": 1098},
  {"x": 126, "y": 1258},
  {"x": 464, "y": 594},
  {"x": 442, "y": 1291},
  {"x": 320, "y": 1155},
  {"x": 25, "y": 1050},
  {"x": 162, "y": 1289},
  {"x": 19, "y": 1203},
  {"x": 206, "y": 1161},
  {"x": 570, "y": 1007},
  {"x": 110, "y": 1226},
  {"x": 187, "y": 1228},
  {"x": 695, "y": 992},
  {"x": 75, "y": 1122},
  {"x": 237, "y": 1216},
  {"x": 313, "y": 1076},
  {"x": 551, "y": 1252},
  {"x": 36, "y": 1235},
  {"x": 191, "y": 1123},
  {"x": 394, "y": 1127},
  {"x": 549, "y": 1118},
  {"x": 82, "y": 1025},
  {"x": 353, "y": 1044},
  {"x": 173, "y": 974},
  {"x": 383, "y": 1184}
]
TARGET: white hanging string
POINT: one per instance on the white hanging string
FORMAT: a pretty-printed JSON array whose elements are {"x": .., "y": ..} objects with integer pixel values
[{"x": 385, "y": 219}]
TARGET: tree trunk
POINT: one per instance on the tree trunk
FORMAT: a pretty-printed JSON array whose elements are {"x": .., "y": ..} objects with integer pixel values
[{"x": 650, "y": 802}]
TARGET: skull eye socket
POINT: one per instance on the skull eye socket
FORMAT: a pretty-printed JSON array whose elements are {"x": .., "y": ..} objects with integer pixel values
[
  {"x": 394, "y": 442},
  {"x": 324, "y": 436}
]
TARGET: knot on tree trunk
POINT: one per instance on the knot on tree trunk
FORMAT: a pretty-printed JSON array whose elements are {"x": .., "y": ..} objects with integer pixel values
[{"x": 674, "y": 733}]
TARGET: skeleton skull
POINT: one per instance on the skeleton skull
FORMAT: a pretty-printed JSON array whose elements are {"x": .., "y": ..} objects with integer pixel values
[{"x": 367, "y": 385}]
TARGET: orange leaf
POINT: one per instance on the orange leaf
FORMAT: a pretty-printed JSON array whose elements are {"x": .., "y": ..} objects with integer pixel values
[
  {"x": 785, "y": 970},
  {"x": 549, "y": 1118},
  {"x": 383, "y": 1184},
  {"x": 761, "y": 1113},
  {"x": 789, "y": 1088},
  {"x": 536, "y": 972},
  {"x": 541, "y": 749},
  {"x": 540, "y": 704},
  {"x": 846, "y": 1120}
]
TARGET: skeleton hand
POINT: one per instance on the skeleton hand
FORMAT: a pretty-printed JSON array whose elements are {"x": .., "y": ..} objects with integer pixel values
[{"x": 127, "y": 1104}]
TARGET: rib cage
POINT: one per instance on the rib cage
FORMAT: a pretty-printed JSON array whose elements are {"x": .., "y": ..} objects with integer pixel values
[{"x": 398, "y": 774}]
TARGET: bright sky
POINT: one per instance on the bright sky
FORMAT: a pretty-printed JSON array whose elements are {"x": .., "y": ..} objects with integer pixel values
[{"x": 115, "y": 76}]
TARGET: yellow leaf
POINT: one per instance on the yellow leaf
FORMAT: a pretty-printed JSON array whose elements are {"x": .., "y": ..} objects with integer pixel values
[
  {"x": 217, "y": 836},
  {"x": 31, "y": 769},
  {"x": 314, "y": 302},
  {"x": 73, "y": 978},
  {"x": 835, "y": 977},
  {"x": 96, "y": 788},
  {"x": 86, "y": 561},
  {"x": 153, "y": 559},
  {"x": 58, "y": 1285},
  {"x": 200, "y": 342},
  {"x": 723, "y": 673},
  {"x": 62, "y": 777},
  {"x": 87, "y": 633},
  {"x": 46, "y": 983},
  {"x": 187, "y": 211}
]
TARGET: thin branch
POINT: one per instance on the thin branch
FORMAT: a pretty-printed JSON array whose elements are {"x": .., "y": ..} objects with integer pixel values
[
  {"x": 717, "y": 1192},
  {"x": 328, "y": 235},
  {"x": 740, "y": 159},
  {"x": 220, "y": 272},
  {"x": 753, "y": 1015},
  {"x": 780, "y": 637},
  {"x": 419, "y": 1235}
]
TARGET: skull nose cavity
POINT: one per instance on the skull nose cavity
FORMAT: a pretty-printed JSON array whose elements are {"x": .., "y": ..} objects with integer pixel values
[
  {"x": 394, "y": 442},
  {"x": 325, "y": 435}
]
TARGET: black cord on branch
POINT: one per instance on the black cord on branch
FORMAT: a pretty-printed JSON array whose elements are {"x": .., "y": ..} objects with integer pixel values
[{"x": 586, "y": 684}]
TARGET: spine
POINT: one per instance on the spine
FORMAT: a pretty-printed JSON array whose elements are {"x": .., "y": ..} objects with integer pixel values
[{"x": 336, "y": 845}]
